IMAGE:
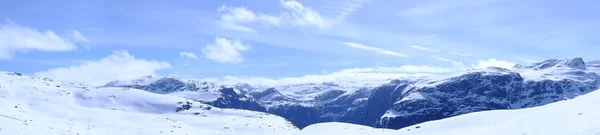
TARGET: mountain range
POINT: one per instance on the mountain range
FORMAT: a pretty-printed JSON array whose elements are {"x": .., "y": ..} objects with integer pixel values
[
  {"x": 549, "y": 97},
  {"x": 394, "y": 104}
]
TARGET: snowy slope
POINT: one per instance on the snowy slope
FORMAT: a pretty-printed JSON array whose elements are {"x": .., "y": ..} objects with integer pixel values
[
  {"x": 577, "y": 116},
  {"x": 172, "y": 105},
  {"x": 335, "y": 128},
  {"x": 554, "y": 69},
  {"x": 486, "y": 89},
  {"x": 40, "y": 106}
]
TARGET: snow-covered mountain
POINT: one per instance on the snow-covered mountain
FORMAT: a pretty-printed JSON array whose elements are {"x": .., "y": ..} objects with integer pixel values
[
  {"x": 398, "y": 103},
  {"x": 576, "y": 116},
  {"x": 42, "y": 106},
  {"x": 36, "y": 106},
  {"x": 482, "y": 101}
]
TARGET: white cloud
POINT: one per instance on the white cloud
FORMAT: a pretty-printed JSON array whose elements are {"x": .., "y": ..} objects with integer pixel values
[
  {"x": 494, "y": 63},
  {"x": 375, "y": 49},
  {"x": 235, "y": 17},
  {"x": 460, "y": 54},
  {"x": 78, "y": 37},
  {"x": 349, "y": 7},
  {"x": 528, "y": 60},
  {"x": 480, "y": 64},
  {"x": 236, "y": 27},
  {"x": 422, "y": 48},
  {"x": 401, "y": 69},
  {"x": 16, "y": 38},
  {"x": 428, "y": 37},
  {"x": 225, "y": 51},
  {"x": 459, "y": 65},
  {"x": 356, "y": 75},
  {"x": 303, "y": 15},
  {"x": 118, "y": 66},
  {"x": 239, "y": 18},
  {"x": 189, "y": 55},
  {"x": 239, "y": 14}
]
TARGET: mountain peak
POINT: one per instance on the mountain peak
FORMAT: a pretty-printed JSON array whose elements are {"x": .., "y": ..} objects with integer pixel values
[
  {"x": 576, "y": 63},
  {"x": 138, "y": 81}
]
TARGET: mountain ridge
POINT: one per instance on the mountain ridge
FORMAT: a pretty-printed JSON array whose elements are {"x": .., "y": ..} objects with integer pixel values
[{"x": 404, "y": 102}]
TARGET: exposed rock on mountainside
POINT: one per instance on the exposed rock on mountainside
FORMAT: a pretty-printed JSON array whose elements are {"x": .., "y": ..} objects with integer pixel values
[{"x": 397, "y": 103}]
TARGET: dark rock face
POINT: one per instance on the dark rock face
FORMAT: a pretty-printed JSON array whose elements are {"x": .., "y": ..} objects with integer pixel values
[
  {"x": 380, "y": 101},
  {"x": 300, "y": 116},
  {"x": 476, "y": 92},
  {"x": 232, "y": 99},
  {"x": 162, "y": 86},
  {"x": 468, "y": 93},
  {"x": 403, "y": 103}
]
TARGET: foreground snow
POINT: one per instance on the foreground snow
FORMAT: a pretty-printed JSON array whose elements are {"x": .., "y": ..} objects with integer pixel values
[{"x": 40, "y": 106}]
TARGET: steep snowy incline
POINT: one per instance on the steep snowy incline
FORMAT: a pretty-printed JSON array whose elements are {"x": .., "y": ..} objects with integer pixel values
[
  {"x": 577, "y": 116},
  {"x": 489, "y": 89},
  {"x": 556, "y": 70},
  {"x": 40, "y": 106}
]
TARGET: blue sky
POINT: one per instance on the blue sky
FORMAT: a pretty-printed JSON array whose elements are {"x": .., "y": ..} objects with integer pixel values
[{"x": 282, "y": 38}]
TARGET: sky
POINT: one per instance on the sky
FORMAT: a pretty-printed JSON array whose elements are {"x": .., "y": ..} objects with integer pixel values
[{"x": 94, "y": 42}]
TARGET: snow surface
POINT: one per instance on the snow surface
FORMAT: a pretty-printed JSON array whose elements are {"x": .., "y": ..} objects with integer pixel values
[
  {"x": 557, "y": 70},
  {"x": 577, "y": 116},
  {"x": 434, "y": 81},
  {"x": 40, "y": 106},
  {"x": 144, "y": 80},
  {"x": 36, "y": 106},
  {"x": 571, "y": 117}
]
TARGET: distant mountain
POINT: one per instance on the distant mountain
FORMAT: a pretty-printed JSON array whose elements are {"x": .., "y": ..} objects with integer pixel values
[
  {"x": 398, "y": 103},
  {"x": 523, "y": 100},
  {"x": 569, "y": 117},
  {"x": 576, "y": 63}
]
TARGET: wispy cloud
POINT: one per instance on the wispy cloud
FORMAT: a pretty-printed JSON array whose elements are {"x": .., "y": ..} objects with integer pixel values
[
  {"x": 401, "y": 69},
  {"x": 349, "y": 7},
  {"x": 460, "y": 54},
  {"x": 427, "y": 37},
  {"x": 16, "y": 38},
  {"x": 360, "y": 75},
  {"x": 302, "y": 15},
  {"x": 225, "y": 51},
  {"x": 188, "y": 55},
  {"x": 459, "y": 65},
  {"x": 494, "y": 63},
  {"x": 118, "y": 66},
  {"x": 374, "y": 49},
  {"x": 236, "y": 27},
  {"x": 78, "y": 37},
  {"x": 480, "y": 64},
  {"x": 239, "y": 18},
  {"x": 528, "y": 60},
  {"x": 423, "y": 48},
  {"x": 235, "y": 17}
]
